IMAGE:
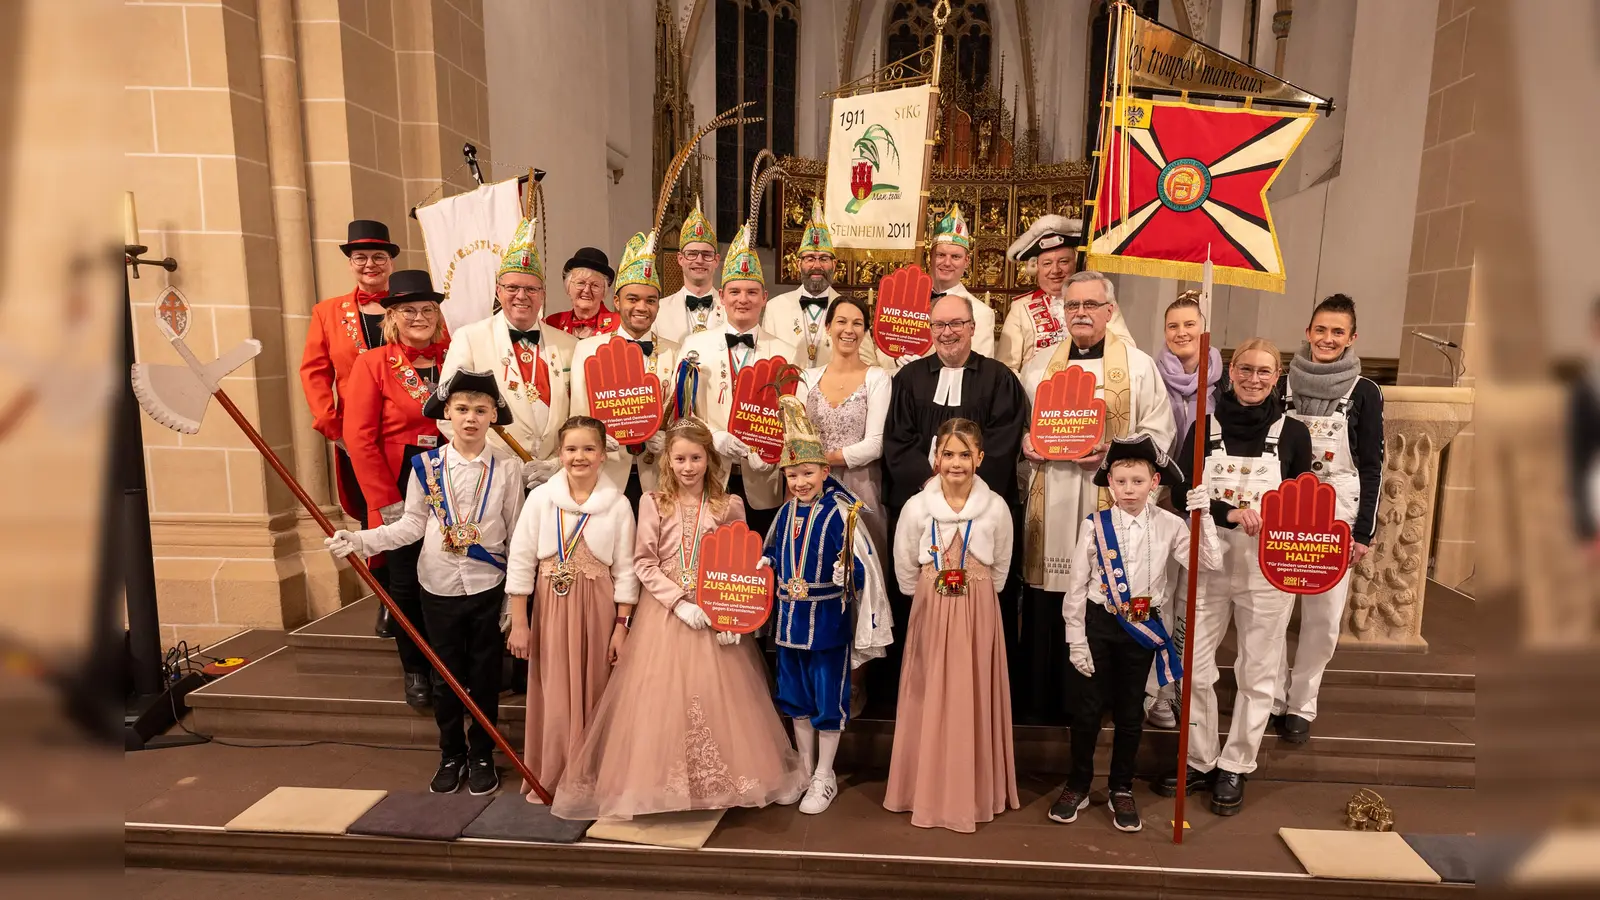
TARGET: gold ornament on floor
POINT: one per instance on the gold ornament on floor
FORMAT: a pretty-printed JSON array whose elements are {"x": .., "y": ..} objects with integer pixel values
[{"x": 1367, "y": 811}]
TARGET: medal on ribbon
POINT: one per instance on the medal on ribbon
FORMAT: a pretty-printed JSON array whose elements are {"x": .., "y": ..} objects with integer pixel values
[
  {"x": 689, "y": 560},
  {"x": 950, "y": 582},
  {"x": 561, "y": 577},
  {"x": 797, "y": 587}
]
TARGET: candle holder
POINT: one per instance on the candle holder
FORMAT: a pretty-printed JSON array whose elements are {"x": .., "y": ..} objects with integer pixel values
[{"x": 133, "y": 258}]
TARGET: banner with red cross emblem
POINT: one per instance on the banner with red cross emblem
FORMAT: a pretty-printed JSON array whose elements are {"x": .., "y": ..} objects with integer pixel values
[{"x": 1184, "y": 181}]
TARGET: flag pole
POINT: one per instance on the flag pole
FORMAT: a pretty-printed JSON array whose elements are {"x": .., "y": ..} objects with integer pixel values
[{"x": 1202, "y": 389}]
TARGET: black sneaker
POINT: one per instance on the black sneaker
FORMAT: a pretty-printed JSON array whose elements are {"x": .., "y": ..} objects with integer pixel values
[
  {"x": 1125, "y": 812},
  {"x": 448, "y": 778},
  {"x": 1195, "y": 780},
  {"x": 1294, "y": 729},
  {"x": 1227, "y": 794},
  {"x": 1065, "y": 809},
  {"x": 482, "y": 777}
]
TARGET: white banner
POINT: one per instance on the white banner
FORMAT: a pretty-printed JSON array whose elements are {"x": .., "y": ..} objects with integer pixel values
[
  {"x": 466, "y": 235},
  {"x": 876, "y": 153}
]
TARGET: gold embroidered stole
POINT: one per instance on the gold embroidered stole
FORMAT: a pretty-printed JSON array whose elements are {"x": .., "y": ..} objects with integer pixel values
[{"x": 1116, "y": 390}]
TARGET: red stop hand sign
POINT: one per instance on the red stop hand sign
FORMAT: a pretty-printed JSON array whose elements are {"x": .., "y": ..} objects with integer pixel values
[
  {"x": 622, "y": 393},
  {"x": 733, "y": 590},
  {"x": 1305, "y": 548},
  {"x": 756, "y": 417},
  {"x": 900, "y": 326},
  {"x": 1068, "y": 419}
]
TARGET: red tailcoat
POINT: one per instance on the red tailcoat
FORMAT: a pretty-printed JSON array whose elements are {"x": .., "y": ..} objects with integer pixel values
[
  {"x": 381, "y": 419},
  {"x": 333, "y": 342}
]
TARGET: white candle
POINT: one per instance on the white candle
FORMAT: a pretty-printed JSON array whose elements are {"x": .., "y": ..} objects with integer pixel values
[{"x": 130, "y": 221}]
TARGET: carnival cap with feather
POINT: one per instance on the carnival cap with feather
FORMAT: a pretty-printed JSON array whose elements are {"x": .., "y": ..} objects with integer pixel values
[
  {"x": 638, "y": 264},
  {"x": 816, "y": 238},
  {"x": 474, "y": 382},
  {"x": 522, "y": 255},
  {"x": 953, "y": 229},
  {"x": 742, "y": 263},
  {"x": 1048, "y": 232},
  {"x": 801, "y": 442},
  {"x": 1138, "y": 446}
]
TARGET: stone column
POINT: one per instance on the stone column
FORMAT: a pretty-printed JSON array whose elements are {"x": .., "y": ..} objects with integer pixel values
[{"x": 1385, "y": 607}]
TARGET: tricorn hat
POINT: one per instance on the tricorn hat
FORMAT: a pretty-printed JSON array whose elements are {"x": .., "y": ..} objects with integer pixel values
[
  {"x": 367, "y": 234},
  {"x": 1047, "y": 232},
  {"x": 1139, "y": 446},
  {"x": 590, "y": 258},
  {"x": 410, "y": 286},
  {"x": 476, "y": 382}
]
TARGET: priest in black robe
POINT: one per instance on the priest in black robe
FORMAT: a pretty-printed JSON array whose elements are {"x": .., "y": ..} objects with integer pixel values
[{"x": 953, "y": 382}]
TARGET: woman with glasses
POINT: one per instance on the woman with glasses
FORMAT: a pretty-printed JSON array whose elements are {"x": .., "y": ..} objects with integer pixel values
[
  {"x": 588, "y": 276},
  {"x": 1251, "y": 446},
  {"x": 384, "y": 427}
]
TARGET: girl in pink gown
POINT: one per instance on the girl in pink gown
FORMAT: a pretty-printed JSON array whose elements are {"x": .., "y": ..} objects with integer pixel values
[
  {"x": 688, "y": 720},
  {"x": 573, "y": 551},
  {"x": 952, "y": 764}
]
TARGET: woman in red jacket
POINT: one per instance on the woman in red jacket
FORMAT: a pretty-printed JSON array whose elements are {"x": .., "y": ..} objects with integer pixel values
[{"x": 384, "y": 428}]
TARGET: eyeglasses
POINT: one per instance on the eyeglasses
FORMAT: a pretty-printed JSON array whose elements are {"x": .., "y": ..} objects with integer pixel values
[
  {"x": 520, "y": 291},
  {"x": 1087, "y": 306},
  {"x": 706, "y": 255},
  {"x": 1252, "y": 373},
  {"x": 583, "y": 285},
  {"x": 369, "y": 259},
  {"x": 412, "y": 313},
  {"x": 816, "y": 258},
  {"x": 952, "y": 325}
]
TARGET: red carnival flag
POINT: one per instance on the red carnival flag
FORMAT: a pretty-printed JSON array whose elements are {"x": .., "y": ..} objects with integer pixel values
[{"x": 1181, "y": 179}]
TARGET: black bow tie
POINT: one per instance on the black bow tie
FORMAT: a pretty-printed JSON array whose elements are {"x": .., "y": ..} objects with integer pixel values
[
  {"x": 734, "y": 340},
  {"x": 813, "y": 302},
  {"x": 647, "y": 347},
  {"x": 532, "y": 337},
  {"x": 938, "y": 294},
  {"x": 693, "y": 302}
]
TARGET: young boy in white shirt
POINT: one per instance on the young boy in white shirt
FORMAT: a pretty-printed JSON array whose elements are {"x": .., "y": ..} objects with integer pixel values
[
  {"x": 1122, "y": 552},
  {"x": 472, "y": 493}
]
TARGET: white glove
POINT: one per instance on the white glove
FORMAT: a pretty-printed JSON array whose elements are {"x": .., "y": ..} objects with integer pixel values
[
  {"x": 537, "y": 471},
  {"x": 1198, "y": 498},
  {"x": 692, "y": 615},
  {"x": 611, "y": 445},
  {"x": 763, "y": 563},
  {"x": 756, "y": 464},
  {"x": 906, "y": 360},
  {"x": 1078, "y": 654},
  {"x": 393, "y": 512},
  {"x": 838, "y": 573},
  {"x": 729, "y": 446},
  {"x": 343, "y": 543},
  {"x": 728, "y": 638},
  {"x": 657, "y": 444}
]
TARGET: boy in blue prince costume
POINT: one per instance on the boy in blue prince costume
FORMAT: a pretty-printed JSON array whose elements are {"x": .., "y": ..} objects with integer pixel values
[{"x": 819, "y": 636}]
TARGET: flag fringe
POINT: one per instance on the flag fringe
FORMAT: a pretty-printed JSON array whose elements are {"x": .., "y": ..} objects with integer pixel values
[{"x": 1187, "y": 271}]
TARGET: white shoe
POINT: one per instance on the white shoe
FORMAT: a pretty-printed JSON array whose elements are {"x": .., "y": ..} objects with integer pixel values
[
  {"x": 821, "y": 794},
  {"x": 1163, "y": 714}
]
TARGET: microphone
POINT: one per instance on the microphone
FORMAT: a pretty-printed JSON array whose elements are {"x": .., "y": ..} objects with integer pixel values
[{"x": 1435, "y": 339}]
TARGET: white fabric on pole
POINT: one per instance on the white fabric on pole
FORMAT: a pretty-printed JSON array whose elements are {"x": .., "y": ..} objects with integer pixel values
[{"x": 466, "y": 235}]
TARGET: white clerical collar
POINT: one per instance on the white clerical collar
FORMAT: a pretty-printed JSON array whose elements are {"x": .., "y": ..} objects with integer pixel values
[{"x": 948, "y": 391}]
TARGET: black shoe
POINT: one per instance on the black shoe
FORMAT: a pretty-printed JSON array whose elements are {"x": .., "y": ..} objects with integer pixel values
[
  {"x": 1195, "y": 780},
  {"x": 419, "y": 693},
  {"x": 1294, "y": 729},
  {"x": 1227, "y": 794},
  {"x": 482, "y": 777},
  {"x": 1065, "y": 809},
  {"x": 448, "y": 778},
  {"x": 1125, "y": 812},
  {"x": 384, "y": 626}
]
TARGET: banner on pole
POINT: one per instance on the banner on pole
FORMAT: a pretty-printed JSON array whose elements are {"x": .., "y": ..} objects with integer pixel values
[
  {"x": 876, "y": 161},
  {"x": 466, "y": 236}
]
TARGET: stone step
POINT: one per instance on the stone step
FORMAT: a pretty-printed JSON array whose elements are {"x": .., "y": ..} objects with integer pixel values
[{"x": 273, "y": 699}]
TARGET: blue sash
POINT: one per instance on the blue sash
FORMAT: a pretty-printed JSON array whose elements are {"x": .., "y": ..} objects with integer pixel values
[
  {"x": 429, "y": 470},
  {"x": 1151, "y": 633}
]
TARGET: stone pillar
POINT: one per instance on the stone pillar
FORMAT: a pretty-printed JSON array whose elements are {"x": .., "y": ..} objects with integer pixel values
[
  {"x": 1280, "y": 31},
  {"x": 1385, "y": 607}
]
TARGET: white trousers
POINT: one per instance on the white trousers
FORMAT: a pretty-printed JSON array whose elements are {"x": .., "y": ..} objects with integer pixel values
[
  {"x": 1320, "y": 615},
  {"x": 1240, "y": 595}
]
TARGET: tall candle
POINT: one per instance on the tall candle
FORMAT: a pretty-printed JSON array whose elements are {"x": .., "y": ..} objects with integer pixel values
[{"x": 130, "y": 221}]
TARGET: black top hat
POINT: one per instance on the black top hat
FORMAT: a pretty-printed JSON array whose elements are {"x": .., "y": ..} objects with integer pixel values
[
  {"x": 410, "y": 286},
  {"x": 366, "y": 234},
  {"x": 462, "y": 380},
  {"x": 1140, "y": 446},
  {"x": 590, "y": 258}
]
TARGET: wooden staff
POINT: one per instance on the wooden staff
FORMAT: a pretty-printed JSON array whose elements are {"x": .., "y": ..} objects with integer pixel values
[{"x": 512, "y": 443}]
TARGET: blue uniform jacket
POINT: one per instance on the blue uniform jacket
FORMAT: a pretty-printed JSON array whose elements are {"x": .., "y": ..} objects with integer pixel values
[{"x": 822, "y": 620}]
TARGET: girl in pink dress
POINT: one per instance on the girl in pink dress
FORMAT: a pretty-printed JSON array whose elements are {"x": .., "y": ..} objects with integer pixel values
[
  {"x": 688, "y": 720},
  {"x": 573, "y": 551},
  {"x": 952, "y": 764}
]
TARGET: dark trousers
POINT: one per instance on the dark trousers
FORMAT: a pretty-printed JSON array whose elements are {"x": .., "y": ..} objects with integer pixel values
[
  {"x": 465, "y": 632},
  {"x": 1041, "y": 693},
  {"x": 759, "y": 520},
  {"x": 1120, "y": 668},
  {"x": 633, "y": 490},
  {"x": 402, "y": 584}
]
